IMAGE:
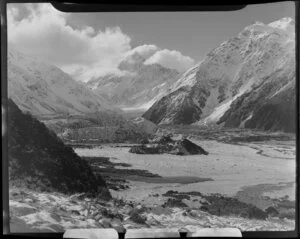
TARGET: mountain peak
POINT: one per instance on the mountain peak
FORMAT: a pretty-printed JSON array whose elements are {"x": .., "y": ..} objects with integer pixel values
[
  {"x": 225, "y": 86},
  {"x": 137, "y": 55},
  {"x": 45, "y": 90},
  {"x": 286, "y": 24},
  {"x": 283, "y": 22}
]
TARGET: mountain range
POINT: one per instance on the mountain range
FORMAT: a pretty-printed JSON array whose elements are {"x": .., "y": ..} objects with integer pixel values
[
  {"x": 139, "y": 85},
  {"x": 45, "y": 90},
  {"x": 247, "y": 81}
]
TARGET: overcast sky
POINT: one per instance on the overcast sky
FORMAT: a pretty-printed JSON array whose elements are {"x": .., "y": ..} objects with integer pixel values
[{"x": 96, "y": 42}]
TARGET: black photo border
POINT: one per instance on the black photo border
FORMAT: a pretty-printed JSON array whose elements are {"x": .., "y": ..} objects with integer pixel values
[{"x": 134, "y": 6}]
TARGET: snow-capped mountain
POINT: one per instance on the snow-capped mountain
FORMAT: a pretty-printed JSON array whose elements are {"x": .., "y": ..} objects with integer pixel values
[
  {"x": 247, "y": 81},
  {"x": 45, "y": 90},
  {"x": 139, "y": 86}
]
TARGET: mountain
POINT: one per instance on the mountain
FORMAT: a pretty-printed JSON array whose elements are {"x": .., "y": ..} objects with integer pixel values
[
  {"x": 247, "y": 81},
  {"x": 39, "y": 159},
  {"x": 138, "y": 86},
  {"x": 45, "y": 90}
]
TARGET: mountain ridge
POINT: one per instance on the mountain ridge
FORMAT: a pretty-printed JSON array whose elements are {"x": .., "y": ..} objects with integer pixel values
[
  {"x": 260, "y": 52},
  {"x": 45, "y": 90},
  {"x": 140, "y": 85}
]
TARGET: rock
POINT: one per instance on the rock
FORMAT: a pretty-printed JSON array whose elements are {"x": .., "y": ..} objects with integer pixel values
[
  {"x": 98, "y": 225},
  {"x": 62, "y": 209},
  {"x": 28, "y": 200},
  {"x": 85, "y": 213},
  {"x": 175, "y": 203},
  {"x": 97, "y": 217},
  {"x": 136, "y": 217},
  {"x": 152, "y": 221},
  {"x": 105, "y": 222},
  {"x": 159, "y": 210},
  {"x": 74, "y": 201},
  {"x": 117, "y": 225},
  {"x": 163, "y": 139},
  {"x": 76, "y": 212},
  {"x": 14, "y": 194},
  {"x": 127, "y": 209},
  {"x": 271, "y": 211},
  {"x": 166, "y": 145},
  {"x": 204, "y": 208},
  {"x": 56, "y": 217},
  {"x": 193, "y": 213}
]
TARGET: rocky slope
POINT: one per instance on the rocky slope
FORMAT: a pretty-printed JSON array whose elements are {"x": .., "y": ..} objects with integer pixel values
[
  {"x": 251, "y": 73},
  {"x": 38, "y": 159},
  {"x": 45, "y": 90},
  {"x": 31, "y": 211},
  {"x": 101, "y": 128},
  {"x": 140, "y": 85}
]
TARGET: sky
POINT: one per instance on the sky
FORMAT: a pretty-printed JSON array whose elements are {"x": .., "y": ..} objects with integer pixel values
[{"x": 89, "y": 45}]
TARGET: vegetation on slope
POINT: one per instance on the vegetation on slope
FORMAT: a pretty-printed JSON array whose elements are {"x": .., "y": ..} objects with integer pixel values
[{"x": 38, "y": 158}]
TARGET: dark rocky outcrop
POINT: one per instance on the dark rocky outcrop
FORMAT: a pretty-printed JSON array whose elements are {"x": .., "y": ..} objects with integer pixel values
[
  {"x": 39, "y": 159},
  {"x": 166, "y": 144}
]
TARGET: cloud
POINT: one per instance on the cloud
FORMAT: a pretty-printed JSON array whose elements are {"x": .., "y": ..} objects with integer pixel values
[
  {"x": 84, "y": 52},
  {"x": 45, "y": 33},
  {"x": 171, "y": 59},
  {"x": 144, "y": 50}
]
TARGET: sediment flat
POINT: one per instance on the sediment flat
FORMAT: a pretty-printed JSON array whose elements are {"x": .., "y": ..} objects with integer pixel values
[{"x": 229, "y": 166}]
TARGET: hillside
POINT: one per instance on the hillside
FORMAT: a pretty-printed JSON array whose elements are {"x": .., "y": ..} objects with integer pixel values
[
  {"x": 39, "y": 159},
  {"x": 251, "y": 73},
  {"x": 46, "y": 91}
]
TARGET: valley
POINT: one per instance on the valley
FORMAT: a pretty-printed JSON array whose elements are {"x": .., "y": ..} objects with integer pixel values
[
  {"x": 151, "y": 145},
  {"x": 172, "y": 190},
  {"x": 231, "y": 165}
]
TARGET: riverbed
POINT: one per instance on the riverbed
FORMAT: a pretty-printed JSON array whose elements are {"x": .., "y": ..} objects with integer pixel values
[{"x": 232, "y": 168}]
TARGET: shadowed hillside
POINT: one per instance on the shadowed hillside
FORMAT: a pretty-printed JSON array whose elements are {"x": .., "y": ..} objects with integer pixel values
[{"x": 39, "y": 159}]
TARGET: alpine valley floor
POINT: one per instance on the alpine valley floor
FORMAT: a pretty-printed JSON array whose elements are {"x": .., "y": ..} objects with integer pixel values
[{"x": 243, "y": 169}]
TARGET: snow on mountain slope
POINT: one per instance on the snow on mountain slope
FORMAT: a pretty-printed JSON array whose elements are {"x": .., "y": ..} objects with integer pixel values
[
  {"x": 258, "y": 63},
  {"x": 45, "y": 90},
  {"x": 140, "y": 85}
]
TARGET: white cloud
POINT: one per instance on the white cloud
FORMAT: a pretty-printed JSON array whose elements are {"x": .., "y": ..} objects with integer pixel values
[
  {"x": 44, "y": 33},
  {"x": 85, "y": 52},
  {"x": 144, "y": 50},
  {"x": 171, "y": 59}
]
